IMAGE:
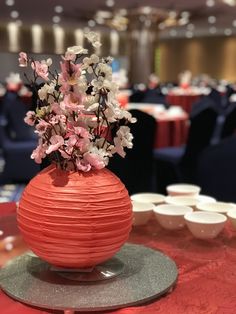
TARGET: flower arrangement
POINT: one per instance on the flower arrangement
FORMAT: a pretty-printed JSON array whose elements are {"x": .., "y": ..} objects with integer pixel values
[{"x": 78, "y": 119}]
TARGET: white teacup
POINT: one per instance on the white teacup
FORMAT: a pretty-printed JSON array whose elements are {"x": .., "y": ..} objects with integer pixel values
[
  {"x": 183, "y": 189},
  {"x": 205, "y": 225},
  {"x": 171, "y": 217},
  {"x": 141, "y": 212},
  {"x": 153, "y": 198}
]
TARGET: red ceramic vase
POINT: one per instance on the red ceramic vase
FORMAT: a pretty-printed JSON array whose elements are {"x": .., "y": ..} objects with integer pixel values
[{"x": 75, "y": 219}]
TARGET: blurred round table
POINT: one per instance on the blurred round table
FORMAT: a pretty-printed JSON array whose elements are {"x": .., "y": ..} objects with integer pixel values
[
  {"x": 172, "y": 124},
  {"x": 184, "y": 101}
]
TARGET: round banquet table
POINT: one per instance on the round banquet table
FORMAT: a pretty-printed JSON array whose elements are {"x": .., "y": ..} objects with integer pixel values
[
  {"x": 172, "y": 129},
  {"x": 184, "y": 101},
  {"x": 207, "y": 269}
]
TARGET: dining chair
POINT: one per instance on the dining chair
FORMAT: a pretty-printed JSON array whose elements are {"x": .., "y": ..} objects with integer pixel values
[
  {"x": 136, "y": 169},
  {"x": 177, "y": 164},
  {"x": 229, "y": 126},
  {"x": 17, "y": 141},
  {"x": 154, "y": 96},
  {"x": 216, "y": 168}
]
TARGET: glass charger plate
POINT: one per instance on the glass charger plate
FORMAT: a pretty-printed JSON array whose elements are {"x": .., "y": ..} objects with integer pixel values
[{"x": 146, "y": 275}]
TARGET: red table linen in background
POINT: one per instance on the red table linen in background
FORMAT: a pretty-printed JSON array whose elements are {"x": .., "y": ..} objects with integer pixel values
[
  {"x": 171, "y": 131},
  {"x": 184, "y": 101},
  {"x": 207, "y": 273}
]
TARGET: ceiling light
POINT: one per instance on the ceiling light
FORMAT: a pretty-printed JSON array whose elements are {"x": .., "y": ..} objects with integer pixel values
[
  {"x": 210, "y": 3},
  {"x": 172, "y": 14},
  {"x": 190, "y": 27},
  {"x": 189, "y": 34},
  {"x": 58, "y": 9},
  {"x": 185, "y": 14},
  {"x": 123, "y": 12},
  {"x": 99, "y": 20},
  {"x": 86, "y": 30},
  {"x": 142, "y": 18},
  {"x": 91, "y": 23},
  {"x": 183, "y": 21},
  {"x": 212, "y": 30},
  {"x": 10, "y": 2},
  {"x": 19, "y": 22},
  {"x": 110, "y": 3},
  {"x": 56, "y": 19},
  {"x": 228, "y": 32},
  {"x": 146, "y": 10},
  {"x": 104, "y": 14},
  {"x": 161, "y": 26},
  {"x": 148, "y": 23},
  {"x": 14, "y": 14},
  {"x": 230, "y": 2},
  {"x": 211, "y": 19},
  {"x": 173, "y": 32}
]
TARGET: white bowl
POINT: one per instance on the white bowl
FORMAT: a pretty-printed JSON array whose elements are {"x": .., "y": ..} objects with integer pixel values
[
  {"x": 205, "y": 225},
  {"x": 232, "y": 217},
  {"x": 216, "y": 207},
  {"x": 141, "y": 212},
  {"x": 205, "y": 199},
  {"x": 183, "y": 189},
  {"x": 153, "y": 198},
  {"x": 182, "y": 200},
  {"x": 171, "y": 217}
]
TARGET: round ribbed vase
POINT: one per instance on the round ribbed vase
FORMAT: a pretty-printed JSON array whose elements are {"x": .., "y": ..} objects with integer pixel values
[{"x": 75, "y": 219}]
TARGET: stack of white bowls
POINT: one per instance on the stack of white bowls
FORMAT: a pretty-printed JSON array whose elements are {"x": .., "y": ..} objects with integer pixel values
[{"x": 184, "y": 205}]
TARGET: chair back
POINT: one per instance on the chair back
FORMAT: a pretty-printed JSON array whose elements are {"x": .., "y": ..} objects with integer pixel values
[
  {"x": 14, "y": 111},
  {"x": 229, "y": 126},
  {"x": 201, "y": 130},
  {"x": 216, "y": 168},
  {"x": 136, "y": 169}
]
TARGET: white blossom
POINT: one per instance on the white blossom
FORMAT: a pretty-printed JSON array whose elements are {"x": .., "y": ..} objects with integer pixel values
[
  {"x": 77, "y": 50},
  {"x": 94, "y": 39}
]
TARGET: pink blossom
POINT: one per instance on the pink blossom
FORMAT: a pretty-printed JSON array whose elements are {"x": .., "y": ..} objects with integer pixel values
[
  {"x": 83, "y": 144},
  {"x": 82, "y": 165},
  {"x": 23, "y": 59},
  {"x": 82, "y": 132},
  {"x": 119, "y": 147},
  {"x": 38, "y": 153},
  {"x": 41, "y": 69},
  {"x": 69, "y": 56},
  {"x": 70, "y": 72},
  {"x": 56, "y": 141},
  {"x": 94, "y": 160},
  {"x": 56, "y": 119},
  {"x": 77, "y": 142},
  {"x": 69, "y": 104},
  {"x": 72, "y": 141},
  {"x": 30, "y": 118},
  {"x": 55, "y": 107},
  {"x": 41, "y": 127},
  {"x": 65, "y": 87}
]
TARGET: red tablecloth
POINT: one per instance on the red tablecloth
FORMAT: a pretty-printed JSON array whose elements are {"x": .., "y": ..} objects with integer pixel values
[
  {"x": 207, "y": 274},
  {"x": 171, "y": 131},
  {"x": 184, "y": 101}
]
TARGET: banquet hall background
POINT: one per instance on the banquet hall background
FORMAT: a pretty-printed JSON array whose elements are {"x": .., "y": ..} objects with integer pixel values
[{"x": 175, "y": 63}]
